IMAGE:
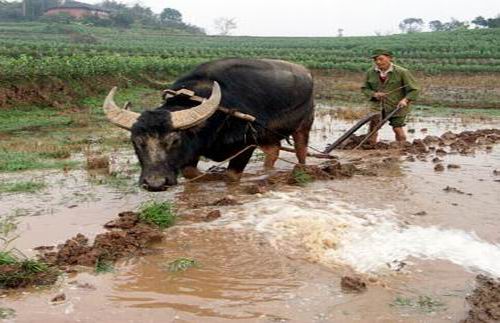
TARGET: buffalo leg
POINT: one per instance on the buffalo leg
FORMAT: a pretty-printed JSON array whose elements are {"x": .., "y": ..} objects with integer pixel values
[
  {"x": 271, "y": 155},
  {"x": 237, "y": 164},
  {"x": 191, "y": 170},
  {"x": 301, "y": 139}
]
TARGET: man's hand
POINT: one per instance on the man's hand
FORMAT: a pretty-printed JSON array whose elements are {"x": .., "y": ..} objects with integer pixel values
[
  {"x": 379, "y": 96},
  {"x": 403, "y": 103}
]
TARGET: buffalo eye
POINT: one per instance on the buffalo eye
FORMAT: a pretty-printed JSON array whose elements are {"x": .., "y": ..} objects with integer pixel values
[
  {"x": 139, "y": 142},
  {"x": 172, "y": 139}
]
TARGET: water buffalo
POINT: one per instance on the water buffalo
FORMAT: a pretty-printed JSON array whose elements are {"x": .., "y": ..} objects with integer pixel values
[{"x": 171, "y": 138}]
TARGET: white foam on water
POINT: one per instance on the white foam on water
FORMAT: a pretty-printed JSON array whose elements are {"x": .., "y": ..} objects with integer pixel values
[{"x": 339, "y": 233}]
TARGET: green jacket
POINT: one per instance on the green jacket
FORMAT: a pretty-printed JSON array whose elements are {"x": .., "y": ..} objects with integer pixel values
[{"x": 400, "y": 84}]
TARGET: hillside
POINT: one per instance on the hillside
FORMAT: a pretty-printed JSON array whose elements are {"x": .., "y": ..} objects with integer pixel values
[{"x": 35, "y": 53}]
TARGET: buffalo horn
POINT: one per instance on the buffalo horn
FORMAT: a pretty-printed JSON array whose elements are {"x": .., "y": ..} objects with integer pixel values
[
  {"x": 117, "y": 116},
  {"x": 191, "y": 117}
]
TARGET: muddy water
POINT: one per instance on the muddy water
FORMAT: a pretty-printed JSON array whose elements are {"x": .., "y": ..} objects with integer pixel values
[{"x": 279, "y": 256}]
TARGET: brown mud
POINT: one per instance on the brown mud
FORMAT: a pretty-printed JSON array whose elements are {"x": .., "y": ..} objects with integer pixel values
[
  {"x": 127, "y": 237},
  {"x": 463, "y": 143},
  {"x": 242, "y": 277},
  {"x": 352, "y": 284},
  {"x": 484, "y": 302}
]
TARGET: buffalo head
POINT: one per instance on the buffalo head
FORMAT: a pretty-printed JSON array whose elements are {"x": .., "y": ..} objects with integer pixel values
[{"x": 158, "y": 136}]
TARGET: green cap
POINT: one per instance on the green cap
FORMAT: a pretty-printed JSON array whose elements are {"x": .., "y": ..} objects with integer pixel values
[{"x": 378, "y": 52}]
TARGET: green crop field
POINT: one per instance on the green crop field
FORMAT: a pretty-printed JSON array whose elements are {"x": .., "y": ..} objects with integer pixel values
[{"x": 31, "y": 51}]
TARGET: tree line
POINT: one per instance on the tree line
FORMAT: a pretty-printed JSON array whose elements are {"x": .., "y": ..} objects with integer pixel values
[
  {"x": 121, "y": 15},
  {"x": 413, "y": 25}
]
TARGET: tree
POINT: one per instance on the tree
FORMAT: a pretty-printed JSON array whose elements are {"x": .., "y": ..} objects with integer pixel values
[
  {"x": 411, "y": 25},
  {"x": 11, "y": 11},
  {"x": 33, "y": 9},
  {"x": 122, "y": 19},
  {"x": 224, "y": 25},
  {"x": 480, "y": 21},
  {"x": 436, "y": 25},
  {"x": 455, "y": 24},
  {"x": 113, "y": 5},
  {"x": 494, "y": 22},
  {"x": 340, "y": 32},
  {"x": 169, "y": 14}
]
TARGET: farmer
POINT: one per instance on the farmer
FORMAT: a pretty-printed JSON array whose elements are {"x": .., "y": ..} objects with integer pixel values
[{"x": 389, "y": 86}]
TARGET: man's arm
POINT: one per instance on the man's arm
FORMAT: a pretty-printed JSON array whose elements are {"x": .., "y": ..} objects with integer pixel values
[
  {"x": 412, "y": 89},
  {"x": 367, "y": 90}
]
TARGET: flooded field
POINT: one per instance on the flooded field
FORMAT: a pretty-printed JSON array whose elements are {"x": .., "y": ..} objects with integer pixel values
[{"x": 400, "y": 244}]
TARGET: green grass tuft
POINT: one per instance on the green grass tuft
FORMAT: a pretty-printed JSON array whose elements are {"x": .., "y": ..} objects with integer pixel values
[
  {"x": 18, "y": 273},
  {"x": 11, "y": 161},
  {"x": 22, "y": 187},
  {"x": 301, "y": 177},
  {"x": 182, "y": 264},
  {"x": 33, "y": 266},
  {"x": 6, "y": 258},
  {"x": 103, "y": 266},
  {"x": 7, "y": 313},
  {"x": 425, "y": 304},
  {"x": 159, "y": 214}
]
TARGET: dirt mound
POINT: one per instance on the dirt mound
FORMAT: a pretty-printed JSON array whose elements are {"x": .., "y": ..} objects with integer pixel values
[
  {"x": 303, "y": 174},
  {"x": 128, "y": 237},
  {"x": 463, "y": 142},
  {"x": 352, "y": 284},
  {"x": 484, "y": 301},
  {"x": 354, "y": 141}
]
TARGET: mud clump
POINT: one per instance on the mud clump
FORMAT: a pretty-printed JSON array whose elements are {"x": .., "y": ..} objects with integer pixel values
[
  {"x": 354, "y": 141},
  {"x": 126, "y": 220},
  {"x": 450, "y": 189},
  {"x": 432, "y": 140},
  {"x": 226, "y": 201},
  {"x": 463, "y": 143},
  {"x": 303, "y": 174},
  {"x": 338, "y": 170},
  {"x": 128, "y": 237},
  {"x": 97, "y": 162},
  {"x": 212, "y": 216},
  {"x": 59, "y": 298},
  {"x": 484, "y": 301},
  {"x": 259, "y": 188},
  {"x": 352, "y": 284},
  {"x": 439, "y": 168}
]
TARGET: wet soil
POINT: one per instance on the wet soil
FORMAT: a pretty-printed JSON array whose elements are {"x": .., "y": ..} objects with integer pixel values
[
  {"x": 352, "y": 284},
  {"x": 463, "y": 143},
  {"x": 484, "y": 301},
  {"x": 243, "y": 276},
  {"x": 127, "y": 237}
]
